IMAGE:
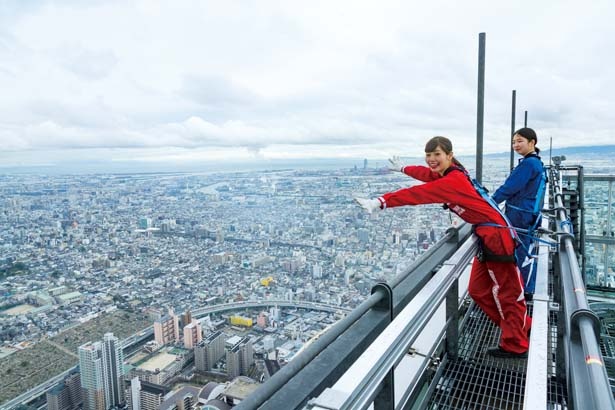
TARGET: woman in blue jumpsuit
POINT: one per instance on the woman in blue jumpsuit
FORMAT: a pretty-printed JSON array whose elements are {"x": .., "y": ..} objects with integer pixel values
[{"x": 519, "y": 191}]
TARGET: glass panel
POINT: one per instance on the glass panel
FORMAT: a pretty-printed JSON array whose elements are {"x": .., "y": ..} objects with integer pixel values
[
  {"x": 596, "y": 207},
  {"x": 611, "y": 222},
  {"x": 610, "y": 266},
  {"x": 569, "y": 180},
  {"x": 595, "y": 264}
]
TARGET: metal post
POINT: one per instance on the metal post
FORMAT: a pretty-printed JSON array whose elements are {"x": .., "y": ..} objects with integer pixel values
[
  {"x": 385, "y": 399},
  {"x": 581, "y": 188},
  {"x": 512, "y": 127},
  {"x": 452, "y": 317},
  {"x": 525, "y": 122},
  {"x": 480, "y": 109}
]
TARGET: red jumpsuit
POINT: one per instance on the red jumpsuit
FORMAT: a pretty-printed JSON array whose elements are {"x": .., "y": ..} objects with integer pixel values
[{"x": 495, "y": 286}]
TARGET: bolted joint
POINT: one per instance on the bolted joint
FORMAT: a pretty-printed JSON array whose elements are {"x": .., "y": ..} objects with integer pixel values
[
  {"x": 453, "y": 234},
  {"x": 386, "y": 299}
]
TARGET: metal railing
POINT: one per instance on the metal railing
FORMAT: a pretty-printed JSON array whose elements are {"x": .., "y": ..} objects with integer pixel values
[
  {"x": 365, "y": 383},
  {"x": 586, "y": 376},
  {"x": 325, "y": 360},
  {"x": 352, "y": 366}
]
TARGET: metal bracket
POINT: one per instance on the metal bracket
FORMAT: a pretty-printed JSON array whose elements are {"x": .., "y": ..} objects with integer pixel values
[
  {"x": 576, "y": 316},
  {"x": 386, "y": 302},
  {"x": 454, "y": 234}
]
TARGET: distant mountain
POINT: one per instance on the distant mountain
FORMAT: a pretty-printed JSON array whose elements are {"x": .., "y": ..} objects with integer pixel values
[{"x": 592, "y": 150}]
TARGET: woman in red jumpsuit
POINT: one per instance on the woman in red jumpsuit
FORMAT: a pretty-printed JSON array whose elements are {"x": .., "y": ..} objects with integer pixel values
[{"x": 495, "y": 281}]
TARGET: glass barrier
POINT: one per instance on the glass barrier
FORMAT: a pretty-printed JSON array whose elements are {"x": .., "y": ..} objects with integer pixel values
[{"x": 599, "y": 218}]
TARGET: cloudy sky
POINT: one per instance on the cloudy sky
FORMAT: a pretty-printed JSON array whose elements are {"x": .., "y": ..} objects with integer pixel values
[{"x": 201, "y": 80}]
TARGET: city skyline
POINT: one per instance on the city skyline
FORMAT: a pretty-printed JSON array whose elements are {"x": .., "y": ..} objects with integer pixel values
[
  {"x": 595, "y": 158},
  {"x": 92, "y": 244}
]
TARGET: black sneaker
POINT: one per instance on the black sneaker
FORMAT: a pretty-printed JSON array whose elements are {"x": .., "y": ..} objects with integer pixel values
[{"x": 504, "y": 354}]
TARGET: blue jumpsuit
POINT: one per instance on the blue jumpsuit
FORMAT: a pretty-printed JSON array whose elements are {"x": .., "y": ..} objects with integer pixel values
[{"x": 519, "y": 191}]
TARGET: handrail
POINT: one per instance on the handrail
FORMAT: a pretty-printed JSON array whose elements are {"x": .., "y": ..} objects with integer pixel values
[
  {"x": 357, "y": 388},
  {"x": 338, "y": 348},
  {"x": 588, "y": 384}
]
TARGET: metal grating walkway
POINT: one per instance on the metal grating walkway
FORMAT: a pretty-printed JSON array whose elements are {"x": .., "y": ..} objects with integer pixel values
[
  {"x": 557, "y": 394},
  {"x": 478, "y": 381},
  {"x": 606, "y": 313}
]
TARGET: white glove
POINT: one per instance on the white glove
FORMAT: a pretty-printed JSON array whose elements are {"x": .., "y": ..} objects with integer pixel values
[
  {"x": 369, "y": 205},
  {"x": 395, "y": 164}
]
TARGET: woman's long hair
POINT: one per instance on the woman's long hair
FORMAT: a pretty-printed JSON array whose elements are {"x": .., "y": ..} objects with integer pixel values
[{"x": 445, "y": 144}]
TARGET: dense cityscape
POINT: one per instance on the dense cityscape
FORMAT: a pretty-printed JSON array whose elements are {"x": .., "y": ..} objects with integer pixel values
[{"x": 154, "y": 257}]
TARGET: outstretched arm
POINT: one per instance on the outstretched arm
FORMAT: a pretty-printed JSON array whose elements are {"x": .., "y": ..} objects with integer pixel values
[
  {"x": 417, "y": 172},
  {"x": 440, "y": 191},
  {"x": 421, "y": 173}
]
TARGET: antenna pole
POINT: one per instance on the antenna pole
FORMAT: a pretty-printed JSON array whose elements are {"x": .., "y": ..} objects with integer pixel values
[
  {"x": 512, "y": 126},
  {"x": 480, "y": 109}
]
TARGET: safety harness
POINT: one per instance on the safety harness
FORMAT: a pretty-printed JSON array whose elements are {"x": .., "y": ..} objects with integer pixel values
[
  {"x": 514, "y": 231},
  {"x": 484, "y": 253},
  {"x": 538, "y": 202}
]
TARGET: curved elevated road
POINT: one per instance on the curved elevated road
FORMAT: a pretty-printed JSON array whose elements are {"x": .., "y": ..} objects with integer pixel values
[{"x": 149, "y": 331}]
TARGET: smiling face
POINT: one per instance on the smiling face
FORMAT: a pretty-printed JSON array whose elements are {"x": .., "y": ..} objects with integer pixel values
[
  {"x": 438, "y": 160},
  {"x": 522, "y": 145}
]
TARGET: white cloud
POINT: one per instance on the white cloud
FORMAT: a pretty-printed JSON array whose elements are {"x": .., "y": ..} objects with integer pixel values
[{"x": 299, "y": 79}]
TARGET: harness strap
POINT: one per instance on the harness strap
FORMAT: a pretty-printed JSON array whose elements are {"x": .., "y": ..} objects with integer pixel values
[
  {"x": 482, "y": 191},
  {"x": 523, "y": 232}
]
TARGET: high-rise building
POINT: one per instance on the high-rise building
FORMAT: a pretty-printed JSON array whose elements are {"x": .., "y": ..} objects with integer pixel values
[
  {"x": 113, "y": 361},
  {"x": 269, "y": 343},
  {"x": 340, "y": 260},
  {"x": 193, "y": 334},
  {"x": 262, "y": 320},
  {"x": 274, "y": 313},
  {"x": 240, "y": 357},
  {"x": 166, "y": 329},
  {"x": 133, "y": 394},
  {"x": 101, "y": 368},
  {"x": 141, "y": 395},
  {"x": 186, "y": 398},
  {"x": 209, "y": 351},
  {"x": 145, "y": 223},
  {"x": 186, "y": 318},
  {"x": 91, "y": 370},
  {"x": 73, "y": 384},
  {"x": 317, "y": 271},
  {"x": 66, "y": 395},
  {"x": 220, "y": 235}
]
